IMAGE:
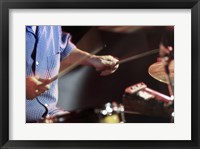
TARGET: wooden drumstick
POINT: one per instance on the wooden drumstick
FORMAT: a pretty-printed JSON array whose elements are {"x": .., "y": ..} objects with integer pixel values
[{"x": 122, "y": 61}]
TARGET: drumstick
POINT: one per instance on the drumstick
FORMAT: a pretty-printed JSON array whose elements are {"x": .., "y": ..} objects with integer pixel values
[
  {"x": 138, "y": 56},
  {"x": 122, "y": 61},
  {"x": 72, "y": 66}
]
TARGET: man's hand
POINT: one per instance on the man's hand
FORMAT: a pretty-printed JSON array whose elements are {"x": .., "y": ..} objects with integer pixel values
[
  {"x": 36, "y": 86},
  {"x": 163, "y": 51},
  {"x": 105, "y": 64}
]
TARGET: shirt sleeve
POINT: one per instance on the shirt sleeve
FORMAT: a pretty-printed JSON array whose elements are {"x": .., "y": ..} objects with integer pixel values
[
  {"x": 66, "y": 46},
  {"x": 30, "y": 46}
]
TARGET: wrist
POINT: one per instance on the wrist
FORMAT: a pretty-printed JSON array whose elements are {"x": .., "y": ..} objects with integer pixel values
[{"x": 91, "y": 60}]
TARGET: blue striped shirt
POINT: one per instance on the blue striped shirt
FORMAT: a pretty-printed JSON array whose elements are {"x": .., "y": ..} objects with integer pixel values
[{"x": 44, "y": 51}]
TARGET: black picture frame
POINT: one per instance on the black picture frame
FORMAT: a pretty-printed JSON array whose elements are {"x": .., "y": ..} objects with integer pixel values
[{"x": 5, "y": 5}]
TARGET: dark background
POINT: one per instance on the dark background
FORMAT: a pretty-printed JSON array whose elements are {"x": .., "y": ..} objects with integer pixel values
[{"x": 83, "y": 87}]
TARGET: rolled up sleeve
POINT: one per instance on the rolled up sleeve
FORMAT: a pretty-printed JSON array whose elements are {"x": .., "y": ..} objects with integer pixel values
[{"x": 66, "y": 45}]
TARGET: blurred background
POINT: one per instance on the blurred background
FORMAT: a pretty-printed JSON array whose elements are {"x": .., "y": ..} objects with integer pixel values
[{"x": 83, "y": 87}]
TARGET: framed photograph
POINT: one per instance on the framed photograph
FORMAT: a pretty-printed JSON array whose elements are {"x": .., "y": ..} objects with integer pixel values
[{"x": 96, "y": 74}]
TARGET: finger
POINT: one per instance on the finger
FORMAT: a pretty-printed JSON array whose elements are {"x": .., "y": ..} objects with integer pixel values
[
  {"x": 108, "y": 68},
  {"x": 170, "y": 48},
  {"x": 107, "y": 72},
  {"x": 115, "y": 67},
  {"x": 45, "y": 81},
  {"x": 47, "y": 86},
  {"x": 36, "y": 80},
  {"x": 108, "y": 63},
  {"x": 110, "y": 60},
  {"x": 111, "y": 68},
  {"x": 116, "y": 59},
  {"x": 42, "y": 88}
]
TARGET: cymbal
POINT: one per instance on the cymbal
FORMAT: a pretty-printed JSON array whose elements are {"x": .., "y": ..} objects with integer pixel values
[{"x": 157, "y": 71}]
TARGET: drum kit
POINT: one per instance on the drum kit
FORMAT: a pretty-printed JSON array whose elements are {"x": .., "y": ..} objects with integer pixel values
[{"x": 140, "y": 104}]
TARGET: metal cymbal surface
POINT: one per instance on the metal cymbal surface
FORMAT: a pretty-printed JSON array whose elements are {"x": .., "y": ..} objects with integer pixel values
[{"x": 157, "y": 71}]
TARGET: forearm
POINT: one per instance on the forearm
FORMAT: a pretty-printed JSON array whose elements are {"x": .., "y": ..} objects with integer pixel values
[
  {"x": 106, "y": 64},
  {"x": 77, "y": 57}
]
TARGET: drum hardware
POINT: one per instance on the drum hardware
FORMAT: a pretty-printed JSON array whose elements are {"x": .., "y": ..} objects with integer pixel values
[
  {"x": 141, "y": 99},
  {"x": 166, "y": 62}
]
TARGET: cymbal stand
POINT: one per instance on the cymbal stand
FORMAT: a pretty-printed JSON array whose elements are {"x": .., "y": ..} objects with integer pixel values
[{"x": 166, "y": 62}]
